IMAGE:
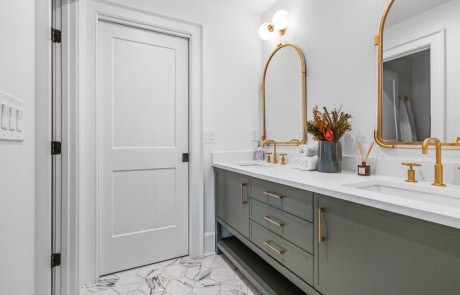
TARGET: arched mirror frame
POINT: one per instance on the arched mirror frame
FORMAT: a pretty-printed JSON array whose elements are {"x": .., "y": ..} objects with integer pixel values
[
  {"x": 303, "y": 82},
  {"x": 378, "y": 41}
]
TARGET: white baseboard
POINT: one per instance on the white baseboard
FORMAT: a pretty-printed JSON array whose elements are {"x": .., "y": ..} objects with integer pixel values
[{"x": 209, "y": 243}]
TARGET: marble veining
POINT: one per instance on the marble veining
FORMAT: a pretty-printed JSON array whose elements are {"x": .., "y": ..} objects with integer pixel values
[{"x": 212, "y": 275}]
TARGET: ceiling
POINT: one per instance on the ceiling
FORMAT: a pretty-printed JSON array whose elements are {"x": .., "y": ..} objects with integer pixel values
[
  {"x": 253, "y": 6},
  {"x": 403, "y": 10}
]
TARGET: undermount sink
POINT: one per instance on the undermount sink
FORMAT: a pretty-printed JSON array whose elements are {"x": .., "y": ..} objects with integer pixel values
[
  {"x": 419, "y": 192},
  {"x": 257, "y": 164}
]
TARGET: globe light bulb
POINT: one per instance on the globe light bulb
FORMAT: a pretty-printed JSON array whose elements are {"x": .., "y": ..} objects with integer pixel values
[
  {"x": 266, "y": 31},
  {"x": 281, "y": 20}
]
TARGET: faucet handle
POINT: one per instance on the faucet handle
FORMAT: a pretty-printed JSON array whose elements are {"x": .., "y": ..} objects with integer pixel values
[
  {"x": 283, "y": 158},
  {"x": 411, "y": 171},
  {"x": 269, "y": 157}
]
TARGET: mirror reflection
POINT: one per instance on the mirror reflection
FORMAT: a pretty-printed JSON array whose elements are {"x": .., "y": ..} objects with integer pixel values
[
  {"x": 284, "y": 95},
  {"x": 421, "y": 70}
]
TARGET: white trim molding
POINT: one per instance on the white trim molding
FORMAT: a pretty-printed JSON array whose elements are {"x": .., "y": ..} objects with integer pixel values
[
  {"x": 436, "y": 42},
  {"x": 209, "y": 243},
  {"x": 90, "y": 12}
]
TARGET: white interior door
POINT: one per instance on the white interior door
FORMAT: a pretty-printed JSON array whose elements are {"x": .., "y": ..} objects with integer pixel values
[{"x": 142, "y": 133}]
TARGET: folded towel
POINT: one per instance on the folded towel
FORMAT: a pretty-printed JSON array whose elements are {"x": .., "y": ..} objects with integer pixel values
[
  {"x": 307, "y": 150},
  {"x": 295, "y": 162},
  {"x": 308, "y": 163},
  {"x": 305, "y": 163}
]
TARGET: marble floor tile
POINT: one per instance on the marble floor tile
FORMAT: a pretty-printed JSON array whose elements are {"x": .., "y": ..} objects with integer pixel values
[{"x": 212, "y": 275}]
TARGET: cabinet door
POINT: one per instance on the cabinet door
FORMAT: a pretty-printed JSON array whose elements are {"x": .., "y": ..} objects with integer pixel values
[
  {"x": 369, "y": 251},
  {"x": 233, "y": 203}
]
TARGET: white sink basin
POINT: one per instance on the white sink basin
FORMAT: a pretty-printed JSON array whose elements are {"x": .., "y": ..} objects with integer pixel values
[{"x": 413, "y": 191}]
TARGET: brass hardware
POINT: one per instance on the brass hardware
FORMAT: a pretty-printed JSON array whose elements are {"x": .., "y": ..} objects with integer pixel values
[
  {"x": 379, "y": 41},
  {"x": 271, "y": 28},
  {"x": 438, "y": 169},
  {"x": 456, "y": 140},
  {"x": 283, "y": 158},
  {"x": 321, "y": 238},
  {"x": 243, "y": 186},
  {"x": 275, "y": 156},
  {"x": 404, "y": 98},
  {"x": 279, "y": 251},
  {"x": 273, "y": 195},
  {"x": 411, "y": 171},
  {"x": 269, "y": 157},
  {"x": 303, "y": 79},
  {"x": 270, "y": 219}
]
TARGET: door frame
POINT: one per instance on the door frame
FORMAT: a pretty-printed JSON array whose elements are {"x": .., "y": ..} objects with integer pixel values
[
  {"x": 436, "y": 42},
  {"x": 81, "y": 21}
]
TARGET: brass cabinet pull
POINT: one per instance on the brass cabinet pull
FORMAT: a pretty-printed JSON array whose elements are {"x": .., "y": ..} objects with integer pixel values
[
  {"x": 243, "y": 186},
  {"x": 279, "y": 251},
  {"x": 273, "y": 195},
  {"x": 321, "y": 238},
  {"x": 277, "y": 223}
]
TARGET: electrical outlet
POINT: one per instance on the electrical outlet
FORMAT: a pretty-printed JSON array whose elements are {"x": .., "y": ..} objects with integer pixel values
[
  {"x": 210, "y": 136},
  {"x": 255, "y": 135}
]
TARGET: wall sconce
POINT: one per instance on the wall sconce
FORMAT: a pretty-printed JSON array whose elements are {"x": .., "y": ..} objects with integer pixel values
[{"x": 279, "y": 25}]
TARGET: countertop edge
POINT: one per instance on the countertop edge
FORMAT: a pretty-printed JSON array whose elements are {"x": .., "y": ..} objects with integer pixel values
[{"x": 356, "y": 196}]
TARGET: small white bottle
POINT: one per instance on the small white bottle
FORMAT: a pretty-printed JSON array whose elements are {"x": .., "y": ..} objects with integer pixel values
[{"x": 259, "y": 154}]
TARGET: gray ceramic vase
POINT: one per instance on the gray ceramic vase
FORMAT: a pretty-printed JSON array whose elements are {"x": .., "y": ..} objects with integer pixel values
[{"x": 330, "y": 157}]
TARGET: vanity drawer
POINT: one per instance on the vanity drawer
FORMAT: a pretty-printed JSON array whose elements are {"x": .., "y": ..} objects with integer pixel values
[
  {"x": 289, "y": 255},
  {"x": 292, "y": 200},
  {"x": 295, "y": 230}
]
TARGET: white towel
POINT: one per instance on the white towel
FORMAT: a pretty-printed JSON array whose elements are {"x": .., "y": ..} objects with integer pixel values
[
  {"x": 305, "y": 163},
  {"x": 295, "y": 162},
  {"x": 307, "y": 150}
]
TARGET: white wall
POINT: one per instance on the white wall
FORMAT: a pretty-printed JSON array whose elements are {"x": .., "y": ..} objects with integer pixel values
[
  {"x": 337, "y": 39},
  {"x": 17, "y": 174},
  {"x": 231, "y": 71}
]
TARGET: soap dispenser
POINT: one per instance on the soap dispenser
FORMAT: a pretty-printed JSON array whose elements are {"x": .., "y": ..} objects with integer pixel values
[{"x": 259, "y": 154}]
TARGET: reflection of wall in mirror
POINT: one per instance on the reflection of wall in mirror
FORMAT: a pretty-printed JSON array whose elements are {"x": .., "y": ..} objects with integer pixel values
[
  {"x": 283, "y": 96},
  {"x": 414, "y": 87},
  {"x": 446, "y": 15}
]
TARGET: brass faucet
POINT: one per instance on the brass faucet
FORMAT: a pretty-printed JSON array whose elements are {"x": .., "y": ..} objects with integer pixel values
[
  {"x": 275, "y": 156},
  {"x": 456, "y": 140},
  {"x": 438, "y": 169}
]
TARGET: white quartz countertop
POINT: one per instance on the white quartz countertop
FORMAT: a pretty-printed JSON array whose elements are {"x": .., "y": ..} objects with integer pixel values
[{"x": 442, "y": 210}]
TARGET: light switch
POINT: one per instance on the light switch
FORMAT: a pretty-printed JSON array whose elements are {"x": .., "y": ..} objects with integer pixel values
[
  {"x": 19, "y": 121},
  {"x": 13, "y": 117},
  {"x": 5, "y": 116}
]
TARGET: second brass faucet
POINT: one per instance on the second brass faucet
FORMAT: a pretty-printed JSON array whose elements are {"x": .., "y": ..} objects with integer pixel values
[
  {"x": 275, "y": 156},
  {"x": 438, "y": 169}
]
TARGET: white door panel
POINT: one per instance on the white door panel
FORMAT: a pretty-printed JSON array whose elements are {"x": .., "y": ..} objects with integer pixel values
[{"x": 142, "y": 133}]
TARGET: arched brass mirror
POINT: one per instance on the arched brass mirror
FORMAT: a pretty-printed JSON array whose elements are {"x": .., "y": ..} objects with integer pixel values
[
  {"x": 418, "y": 72},
  {"x": 284, "y": 97}
]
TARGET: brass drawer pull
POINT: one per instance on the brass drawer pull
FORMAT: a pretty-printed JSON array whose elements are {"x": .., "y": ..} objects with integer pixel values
[
  {"x": 273, "y": 195},
  {"x": 321, "y": 238},
  {"x": 279, "y": 251},
  {"x": 277, "y": 223},
  {"x": 243, "y": 199}
]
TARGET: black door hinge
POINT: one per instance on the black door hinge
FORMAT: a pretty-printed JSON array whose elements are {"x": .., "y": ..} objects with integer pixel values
[
  {"x": 185, "y": 158},
  {"x": 55, "y": 259},
  {"x": 56, "y": 36},
  {"x": 55, "y": 147}
]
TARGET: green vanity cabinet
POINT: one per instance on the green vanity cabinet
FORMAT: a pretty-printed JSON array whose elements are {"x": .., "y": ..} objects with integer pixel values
[
  {"x": 367, "y": 251},
  {"x": 233, "y": 202},
  {"x": 288, "y": 241}
]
